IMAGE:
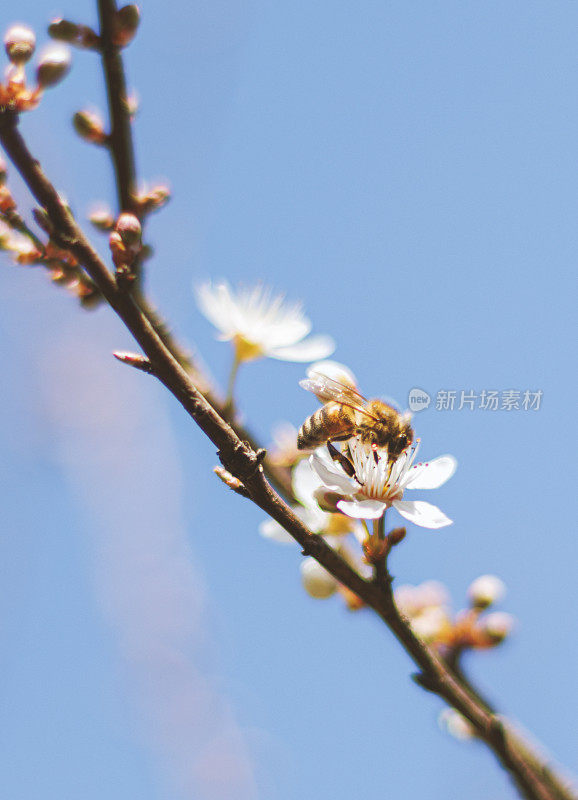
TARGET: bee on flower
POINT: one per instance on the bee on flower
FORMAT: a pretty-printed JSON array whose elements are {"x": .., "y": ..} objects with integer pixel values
[
  {"x": 287, "y": 448},
  {"x": 375, "y": 483}
]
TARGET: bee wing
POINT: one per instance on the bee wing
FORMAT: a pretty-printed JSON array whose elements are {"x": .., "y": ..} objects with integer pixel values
[{"x": 329, "y": 390}]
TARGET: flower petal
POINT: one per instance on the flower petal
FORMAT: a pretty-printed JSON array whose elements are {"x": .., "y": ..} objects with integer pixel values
[
  {"x": 431, "y": 474},
  {"x": 330, "y": 474},
  {"x": 217, "y": 304},
  {"x": 304, "y": 483},
  {"x": 362, "y": 509},
  {"x": 422, "y": 513},
  {"x": 310, "y": 349}
]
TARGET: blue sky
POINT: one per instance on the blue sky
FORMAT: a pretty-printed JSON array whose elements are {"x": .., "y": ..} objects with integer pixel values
[{"x": 409, "y": 171}]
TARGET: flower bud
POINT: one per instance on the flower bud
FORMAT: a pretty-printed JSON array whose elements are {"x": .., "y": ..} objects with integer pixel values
[
  {"x": 396, "y": 536},
  {"x": 485, "y": 591},
  {"x": 455, "y": 724},
  {"x": 19, "y": 42},
  {"x": 42, "y": 220},
  {"x": 406, "y": 599},
  {"x": 316, "y": 581},
  {"x": 153, "y": 200},
  {"x": 53, "y": 66},
  {"x": 126, "y": 24},
  {"x": 432, "y": 593},
  {"x": 5, "y": 232},
  {"x": 429, "y": 624},
  {"x": 102, "y": 219},
  {"x": 3, "y": 171},
  {"x": 64, "y": 30},
  {"x": 89, "y": 127},
  {"x": 7, "y": 202},
  {"x": 130, "y": 230},
  {"x": 117, "y": 248},
  {"x": 131, "y": 105},
  {"x": 497, "y": 626}
]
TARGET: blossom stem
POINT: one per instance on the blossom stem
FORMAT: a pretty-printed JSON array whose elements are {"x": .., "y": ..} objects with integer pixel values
[{"x": 380, "y": 572}]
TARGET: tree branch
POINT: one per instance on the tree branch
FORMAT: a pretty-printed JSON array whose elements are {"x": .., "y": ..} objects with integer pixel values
[
  {"x": 120, "y": 140},
  {"x": 122, "y": 151},
  {"x": 243, "y": 462}
]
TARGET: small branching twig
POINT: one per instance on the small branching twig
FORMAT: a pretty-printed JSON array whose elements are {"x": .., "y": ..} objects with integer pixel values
[{"x": 120, "y": 137}]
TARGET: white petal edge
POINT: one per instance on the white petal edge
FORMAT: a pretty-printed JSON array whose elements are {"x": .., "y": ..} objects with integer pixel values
[
  {"x": 432, "y": 474},
  {"x": 329, "y": 475},
  {"x": 215, "y": 302},
  {"x": 304, "y": 482},
  {"x": 421, "y": 513},
  {"x": 362, "y": 509},
  {"x": 311, "y": 349}
]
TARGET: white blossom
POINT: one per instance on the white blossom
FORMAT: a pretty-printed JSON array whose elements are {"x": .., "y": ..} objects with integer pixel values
[
  {"x": 486, "y": 590},
  {"x": 316, "y": 581},
  {"x": 261, "y": 324},
  {"x": 498, "y": 625},
  {"x": 430, "y": 623},
  {"x": 412, "y": 600},
  {"x": 378, "y": 483}
]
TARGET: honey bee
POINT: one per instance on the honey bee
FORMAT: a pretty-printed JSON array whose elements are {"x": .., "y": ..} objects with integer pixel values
[{"x": 347, "y": 413}]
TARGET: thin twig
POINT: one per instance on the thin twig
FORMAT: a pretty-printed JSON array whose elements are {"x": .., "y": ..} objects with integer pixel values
[
  {"x": 120, "y": 138},
  {"x": 122, "y": 151},
  {"x": 244, "y": 463}
]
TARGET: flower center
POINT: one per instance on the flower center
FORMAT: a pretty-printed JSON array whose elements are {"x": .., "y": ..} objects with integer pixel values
[{"x": 246, "y": 350}]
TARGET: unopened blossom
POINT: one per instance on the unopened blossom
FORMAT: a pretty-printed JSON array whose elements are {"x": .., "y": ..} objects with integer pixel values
[
  {"x": 89, "y": 126},
  {"x": 53, "y": 65},
  {"x": 19, "y": 42},
  {"x": 497, "y": 626},
  {"x": 431, "y": 625},
  {"x": 456, "y": 724},
  {"x": 378, "y": 484},
  {"x": 486, "y": 590},
  {"x": 316, "y": 581},
  {"x": 427, "y": 608},
  {"x": 412, "y": 600},
  {"x": 261, "y": 324}
]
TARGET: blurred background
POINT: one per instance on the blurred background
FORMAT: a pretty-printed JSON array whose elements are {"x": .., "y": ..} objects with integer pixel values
[{"x": 409, "y": 172}]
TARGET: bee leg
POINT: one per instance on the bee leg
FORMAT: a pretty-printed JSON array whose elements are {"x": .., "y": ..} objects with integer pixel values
[{"x": 338, "y": 456}]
